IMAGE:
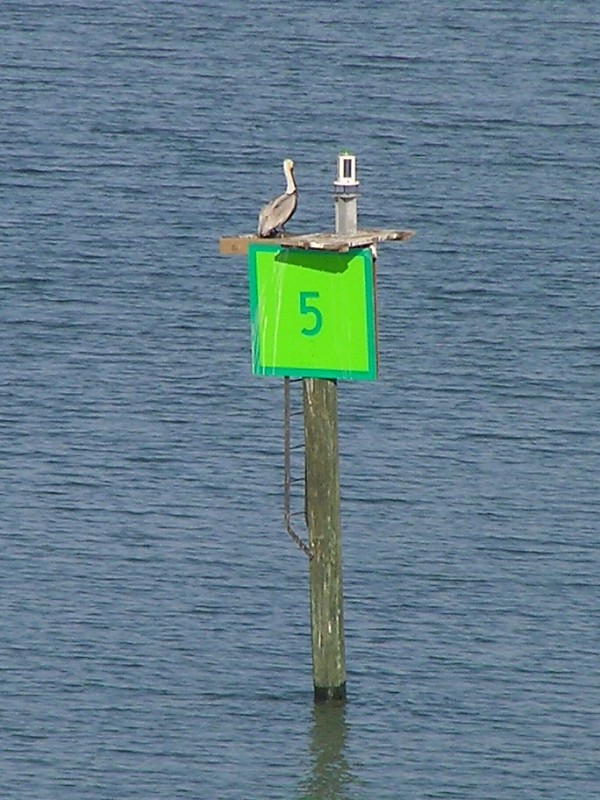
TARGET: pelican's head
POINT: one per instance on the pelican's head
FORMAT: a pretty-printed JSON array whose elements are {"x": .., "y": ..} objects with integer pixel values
[{"x": 288, "y": 165}]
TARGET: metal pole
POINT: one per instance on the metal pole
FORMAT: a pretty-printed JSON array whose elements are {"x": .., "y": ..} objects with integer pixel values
[{"x": 323, "y": 516}]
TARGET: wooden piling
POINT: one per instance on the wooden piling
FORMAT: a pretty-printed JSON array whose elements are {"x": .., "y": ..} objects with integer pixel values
[
  {"x": 323, "y": 514},
  {"x": 322, "y": 495}
]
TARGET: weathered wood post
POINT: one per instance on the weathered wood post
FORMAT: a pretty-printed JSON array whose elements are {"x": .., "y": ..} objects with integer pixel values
[
  {"x": 323, "y": 517},
  {"x": 323, "y": 521}
]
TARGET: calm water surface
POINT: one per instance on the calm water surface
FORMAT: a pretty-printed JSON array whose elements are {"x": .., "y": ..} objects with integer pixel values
[{"x": 154, "y": 619}]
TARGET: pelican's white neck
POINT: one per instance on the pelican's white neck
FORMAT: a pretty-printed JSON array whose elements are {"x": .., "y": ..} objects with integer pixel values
[{"x": 288, "y": 169}]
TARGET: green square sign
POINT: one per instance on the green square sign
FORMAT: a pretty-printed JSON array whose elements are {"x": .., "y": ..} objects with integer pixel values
[{"x": 312, "y": 313}]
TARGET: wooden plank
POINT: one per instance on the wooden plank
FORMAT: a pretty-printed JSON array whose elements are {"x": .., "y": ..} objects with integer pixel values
[
  {"x": 238, "y": 245},
  {"x": 339, "y": 242}
]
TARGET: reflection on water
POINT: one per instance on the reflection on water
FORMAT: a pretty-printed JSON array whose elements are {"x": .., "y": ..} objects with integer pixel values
[{"x": 330, "y": 777}]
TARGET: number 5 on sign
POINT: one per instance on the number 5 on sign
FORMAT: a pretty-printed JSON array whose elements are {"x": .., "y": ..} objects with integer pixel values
[
  {"x": 307, "y": 307},
  {"x": 312, "y": 313}
]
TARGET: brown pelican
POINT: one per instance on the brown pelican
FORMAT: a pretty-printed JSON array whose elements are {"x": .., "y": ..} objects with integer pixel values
[{"x": 278, "y": 211}]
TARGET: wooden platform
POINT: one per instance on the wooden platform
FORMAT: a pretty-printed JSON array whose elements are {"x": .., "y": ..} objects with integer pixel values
[{"x": 339, "y": 242}]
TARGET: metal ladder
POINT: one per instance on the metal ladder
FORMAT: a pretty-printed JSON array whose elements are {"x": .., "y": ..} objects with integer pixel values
[{"x": 288, "y": 480}]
